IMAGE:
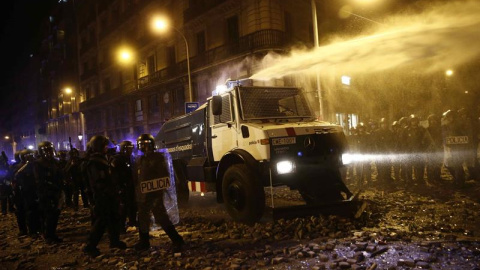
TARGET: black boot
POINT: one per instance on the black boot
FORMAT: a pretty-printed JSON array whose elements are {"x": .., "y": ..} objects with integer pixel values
[
  {"x": 144, "y": 242},
  {"x": 91, "y": 251},
  {"x": 177, "y": 240},
  {"x": 118, "y": 244}
]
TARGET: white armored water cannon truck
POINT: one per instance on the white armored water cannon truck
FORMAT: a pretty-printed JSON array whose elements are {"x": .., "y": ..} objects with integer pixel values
[{"x": 248, "y": 139}]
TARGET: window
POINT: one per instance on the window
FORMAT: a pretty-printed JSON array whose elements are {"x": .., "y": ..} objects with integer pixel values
[
  {"x": 171, "y": 55},
  {"x": 201, "y": 42},
  {"x": 226, "y": 111},
  {"x": 138, "y": 110},
  {"x": 151, "y": 64},
  {"x": 232, "y": 28},
  {"x": 153, "y": 107}
]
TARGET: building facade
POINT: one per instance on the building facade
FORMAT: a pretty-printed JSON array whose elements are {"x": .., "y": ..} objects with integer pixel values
[{"x": 224, "y": 40}]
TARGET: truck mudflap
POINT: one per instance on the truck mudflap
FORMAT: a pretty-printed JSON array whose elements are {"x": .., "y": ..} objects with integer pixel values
[{"x": 352, "y": 207}]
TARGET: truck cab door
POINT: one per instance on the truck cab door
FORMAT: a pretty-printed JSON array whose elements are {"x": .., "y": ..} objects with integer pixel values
[{"x": 223, "y": 133}]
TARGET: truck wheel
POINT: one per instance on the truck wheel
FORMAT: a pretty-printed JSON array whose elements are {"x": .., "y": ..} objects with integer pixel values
[
  {"x": 181, "y": 186},
  {"x": 243, "y": 194}
]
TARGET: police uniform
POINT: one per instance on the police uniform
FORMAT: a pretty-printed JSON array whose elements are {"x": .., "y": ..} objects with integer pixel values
[
  {"x": 48, "y": 180},
  {"x": 26, "y": 180},
  {"x": 122, "y": 171},
  {"x": 105, "y": 202},
  {"x": 149, "y": 167}
]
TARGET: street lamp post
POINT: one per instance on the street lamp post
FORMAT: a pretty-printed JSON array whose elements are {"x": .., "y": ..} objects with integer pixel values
[
  {"x": 13, "y": 142},
  {"x": 161, "y": 24},
  {"x": 76, "y": 108},
  {"x": 80, "y": 137},
  {"x": 315, "y": 35}
]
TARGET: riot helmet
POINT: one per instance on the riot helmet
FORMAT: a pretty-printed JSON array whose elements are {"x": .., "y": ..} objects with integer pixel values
[
  {"x": 62, "y": 155},
  {"x": 414, "y": 121},
  {"x": 74, "y": 153},
  {"x": 403, "y": 122},
  {"x": 126, "y": 147},
  {"x": 360, "y": 128},
  {"x": 26, "y": 155},
  {"x": 46, "y": 150},
  {"x": 145, "y": 143},
  {"x": 98, "y": 144},
  {"x": 383, "y": 123},
  {"x": 16, "y": 156},
  {"x": 433, "y": 120}
]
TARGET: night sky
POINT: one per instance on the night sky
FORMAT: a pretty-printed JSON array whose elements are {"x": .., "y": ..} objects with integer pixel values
[{"x": 20, "y": 20}]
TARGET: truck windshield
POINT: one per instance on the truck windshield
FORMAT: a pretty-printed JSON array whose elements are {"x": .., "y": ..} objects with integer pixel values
[{"x": 271, "y": 102}]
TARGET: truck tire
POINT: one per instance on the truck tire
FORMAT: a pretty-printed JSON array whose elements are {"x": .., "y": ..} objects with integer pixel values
[
  {"x": 181, "y": 185},
  {"x": 243, "y": 194}
]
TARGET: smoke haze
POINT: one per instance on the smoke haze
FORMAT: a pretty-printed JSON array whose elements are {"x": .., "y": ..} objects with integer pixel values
[{"x": 441, "y": 37}]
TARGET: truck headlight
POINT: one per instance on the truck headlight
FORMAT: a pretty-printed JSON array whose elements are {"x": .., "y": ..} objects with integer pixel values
[
  {"x": 347, "y": 158},
  {"x": 285, "y": 166}
]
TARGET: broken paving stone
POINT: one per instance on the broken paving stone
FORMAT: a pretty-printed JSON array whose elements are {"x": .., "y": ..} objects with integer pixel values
[
  {"x": 323, "y": 258},
  {"x": 277, "y": 260},
  {"x": 423, "y": 265},
  {"x": 344, "y": 265},
  {"x": 370, "y": 248}
]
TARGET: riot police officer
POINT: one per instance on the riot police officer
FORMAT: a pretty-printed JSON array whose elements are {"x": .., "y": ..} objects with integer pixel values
[
  {"x": 384, "y": 146},
  {"x": 105, "y": 200},
  {"x": 455, "y": 144},
  {"x": 67, "y": 184},
  {"x": 152, "y": 166},
  {"x": 417, "y": 142},
  {"x": 435, "y": 150},
  {"x": 25, "y": 179},
  {"x": 6, "y": 191},
  {"x": 18, "y": 197},
  {"x": 48, "y": 181},
  {"x": 74, "y": 177},
  {"x": 122, "y": 171}
]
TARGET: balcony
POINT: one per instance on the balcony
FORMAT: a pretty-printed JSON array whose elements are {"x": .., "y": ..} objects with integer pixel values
[{"x": 260, "y": 40}]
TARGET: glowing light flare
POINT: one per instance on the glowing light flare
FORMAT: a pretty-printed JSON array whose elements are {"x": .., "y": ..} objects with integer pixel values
[
  {"x": 159, "y": 24},
  {"x": 30, "y": 147},
  {"x": 220, "y": 89},
  {"x": 449, "y": 72},
  {"x": 346, "y": 80},
  {"x": 68, "y": 90},
  {"x": 7, "y": 137},
  {"x": 125, "y": 55},
  {"x": 285, "y": 166}
]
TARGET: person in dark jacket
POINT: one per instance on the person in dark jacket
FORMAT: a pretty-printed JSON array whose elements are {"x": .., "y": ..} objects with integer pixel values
[
  {"x": 48, "y": 181},
  {"x": 152, "y": 167},
  {"x": 435, "y": 150},
  {"x": 384, "y": 147},
  {"x": 105, "y": 199},
  {"x": 25, "y": 179},
  {"x": 122, "y": 171},
  {"x": 74, "y": 176}
]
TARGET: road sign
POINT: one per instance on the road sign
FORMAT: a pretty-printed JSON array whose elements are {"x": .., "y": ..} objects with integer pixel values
[{"x": 191, "y": 106}]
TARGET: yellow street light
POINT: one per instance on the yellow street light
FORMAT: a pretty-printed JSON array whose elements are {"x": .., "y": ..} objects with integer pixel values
[
  {"x": 449, "y": 72},
  {"x": 125, "y": 55},
  {"x": 161, "y": 24},
  {"x": 7, "y": 137},
  {"x": 68, "y": 90}
]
